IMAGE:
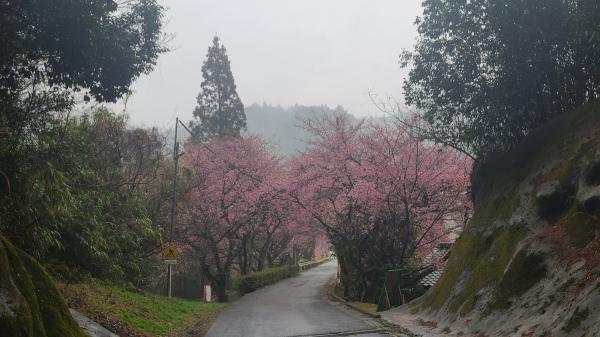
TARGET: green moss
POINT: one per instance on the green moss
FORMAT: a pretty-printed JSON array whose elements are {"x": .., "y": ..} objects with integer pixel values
[
  {"x": 587, "y": 116},
  {"x": 565, "y": 174},
  {"x": 593, "y": 175},
  {"x": 592, "y": 205},
  {"x": 524, "y": 272},
  {"x": 492, "y": 209},
  {"x": 22, "y": 299},
  {"x": 52, "y": 305},
  {"x": 39, "y": 309},
  {"x": 465, "y": 247},
  {"x": 469, "y": 305},
  {"x": 415, "y": 307},
  {"x": 565, "y": 286},
  {"x": 556, "y": 138},
  {"x": 581, "y": 227},
  {"x": 488, "y": 268},
  {"x": 576, "y": 319},
  {"x": 552, "y": 206},
  {"x": 480, "y": 261}
]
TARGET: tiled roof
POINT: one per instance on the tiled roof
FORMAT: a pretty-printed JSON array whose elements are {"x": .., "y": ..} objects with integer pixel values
[
  {"x": 431, "y": 278},
  {"x": 437, "y": 254},
  {"x": 437, "y": 258}
]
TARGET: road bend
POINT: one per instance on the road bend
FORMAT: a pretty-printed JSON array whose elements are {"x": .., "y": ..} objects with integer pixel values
[{"x": 294, "y": 307}]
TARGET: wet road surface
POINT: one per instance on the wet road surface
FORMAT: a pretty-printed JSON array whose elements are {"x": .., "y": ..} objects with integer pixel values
[{"x": 295, "y": 307}]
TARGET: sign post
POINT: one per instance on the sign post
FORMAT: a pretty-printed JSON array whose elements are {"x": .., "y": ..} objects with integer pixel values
[
  {"x": 176, "y": 156},
  {"x": 169, "y": 255}
]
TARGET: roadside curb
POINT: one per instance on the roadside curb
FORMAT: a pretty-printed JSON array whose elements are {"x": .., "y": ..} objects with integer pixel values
[
  {"x": 331, "y": 292},
  {"x": 402, "y": 331},
  {"x": 391, "y": 325},
  {"x": 90, "y": 327}
]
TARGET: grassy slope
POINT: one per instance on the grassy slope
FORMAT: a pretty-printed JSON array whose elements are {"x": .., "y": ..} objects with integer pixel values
[
  {"x": 151, "y": 314},
  {"x": 368, "y": 307}
]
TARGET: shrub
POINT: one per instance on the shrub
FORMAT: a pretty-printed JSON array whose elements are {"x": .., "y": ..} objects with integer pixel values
[{"x": 259, "y": 279}]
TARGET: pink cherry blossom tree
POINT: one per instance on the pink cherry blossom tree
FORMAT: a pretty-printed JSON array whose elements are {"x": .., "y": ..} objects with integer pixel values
[
  {"x": 238, "y": 214},
  {"x": 384, "y": 197},
  {"x": 381, "y": 196},
  {"x": 227, "y": 194}
]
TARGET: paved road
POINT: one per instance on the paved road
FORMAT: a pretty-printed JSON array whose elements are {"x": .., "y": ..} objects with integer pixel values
[{"x": 293, "y": 307}]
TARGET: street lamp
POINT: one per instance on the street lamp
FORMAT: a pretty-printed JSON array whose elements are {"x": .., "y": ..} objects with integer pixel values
[{"x": 170, "y": 247}]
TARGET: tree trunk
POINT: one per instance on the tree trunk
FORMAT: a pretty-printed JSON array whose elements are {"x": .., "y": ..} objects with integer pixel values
[
  {"x": 262, "y": 255},
  {"x": 260, "y": 263},
  {"x": 220, "y": 285},
  {"x": 243, "y": 258}
]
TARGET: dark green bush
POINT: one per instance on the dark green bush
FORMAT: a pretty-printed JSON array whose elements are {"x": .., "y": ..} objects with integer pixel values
[{"x": 259, "y": 279}]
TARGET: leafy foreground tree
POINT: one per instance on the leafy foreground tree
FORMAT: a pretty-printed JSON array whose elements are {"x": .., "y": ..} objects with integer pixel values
[
  {"x": 485, "y": 73},
  {"x": 220, "y": 112},
  {"x": 108, "y": 168},
  {"x": 102, "y": 174},
  {"x": 384, "y": 197},
  {"x": 56, "y": 54},
  {"x": 98, "y": 47}
]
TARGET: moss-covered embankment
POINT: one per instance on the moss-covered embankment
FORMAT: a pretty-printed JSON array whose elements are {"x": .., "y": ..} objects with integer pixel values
[
  {"x": 30, "y": 303},
  {"x": 528, "y": 263}
]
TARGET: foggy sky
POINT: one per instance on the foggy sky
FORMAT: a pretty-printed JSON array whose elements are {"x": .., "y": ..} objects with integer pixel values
[{"x": 283, "y": 52}]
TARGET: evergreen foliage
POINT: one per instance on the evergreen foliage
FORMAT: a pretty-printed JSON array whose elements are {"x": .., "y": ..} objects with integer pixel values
[
  {"x": 86, "y": 202},
  {"x": 220, "y": 112},
  {"x": 485, "y": 73},
  {"x": 96, "y": 46},
  {"x": 69, "y": 192}
]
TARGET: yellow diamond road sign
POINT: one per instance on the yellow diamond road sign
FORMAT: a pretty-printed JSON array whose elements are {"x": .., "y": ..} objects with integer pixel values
[{"x": 170, "y": 252}]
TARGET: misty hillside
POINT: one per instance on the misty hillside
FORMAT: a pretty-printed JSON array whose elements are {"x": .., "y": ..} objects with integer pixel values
[{"x": 282, "y": 126}]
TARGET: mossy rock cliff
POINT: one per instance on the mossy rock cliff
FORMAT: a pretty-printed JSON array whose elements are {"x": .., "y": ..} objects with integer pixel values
[
  {"x": 30, "y": 303},
  {"x": 528, "y": 262}
]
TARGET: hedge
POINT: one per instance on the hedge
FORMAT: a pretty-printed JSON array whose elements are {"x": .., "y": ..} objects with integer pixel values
[{"x": 259, "y": 279}]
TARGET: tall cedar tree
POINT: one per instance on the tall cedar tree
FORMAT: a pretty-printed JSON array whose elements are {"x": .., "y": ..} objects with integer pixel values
[{"x": 220, "y": 112}]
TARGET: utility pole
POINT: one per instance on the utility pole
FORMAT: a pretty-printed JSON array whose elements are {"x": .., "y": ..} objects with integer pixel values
[{"x": 176, "y": 156}]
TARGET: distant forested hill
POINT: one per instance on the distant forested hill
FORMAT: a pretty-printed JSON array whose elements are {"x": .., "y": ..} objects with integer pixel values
[{"x": 282, "y": 126}]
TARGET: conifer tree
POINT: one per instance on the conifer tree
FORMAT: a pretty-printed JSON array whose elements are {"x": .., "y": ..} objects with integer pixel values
[{"x": 220, "y": 112}]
